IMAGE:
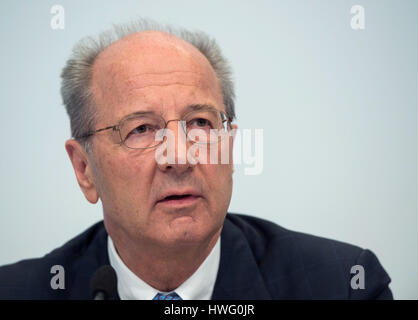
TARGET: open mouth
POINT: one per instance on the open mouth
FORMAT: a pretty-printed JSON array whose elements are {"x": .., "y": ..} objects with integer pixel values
[{"x": 179, "y": 199}]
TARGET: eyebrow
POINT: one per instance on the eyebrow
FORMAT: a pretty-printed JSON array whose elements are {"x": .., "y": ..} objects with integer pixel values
[
  {"x": 199, "y": 107},
  {"x": 189, "y": 108}
]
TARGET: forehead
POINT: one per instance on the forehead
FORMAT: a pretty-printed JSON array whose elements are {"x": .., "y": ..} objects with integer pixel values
[{"x": 151, "y": 69}]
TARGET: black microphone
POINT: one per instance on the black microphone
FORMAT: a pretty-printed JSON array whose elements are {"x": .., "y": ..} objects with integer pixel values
[{"x": 103, "y": 284}]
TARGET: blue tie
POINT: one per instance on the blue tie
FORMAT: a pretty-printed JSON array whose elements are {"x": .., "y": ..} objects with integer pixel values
[{"x": 170, "y": 296}]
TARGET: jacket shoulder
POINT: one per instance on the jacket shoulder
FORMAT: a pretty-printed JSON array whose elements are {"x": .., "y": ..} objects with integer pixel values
[
  {"x": 261, "y": 234},
  {"x": 300, "y": 265},
  {"x": 31, "y": 278}
]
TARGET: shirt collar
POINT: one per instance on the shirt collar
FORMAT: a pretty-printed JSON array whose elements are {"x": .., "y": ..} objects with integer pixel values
[{"x": 199, "y": 286}]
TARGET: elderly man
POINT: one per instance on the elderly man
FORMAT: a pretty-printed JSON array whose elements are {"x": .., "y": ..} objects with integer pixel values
[{"x": 166, "y": 231}]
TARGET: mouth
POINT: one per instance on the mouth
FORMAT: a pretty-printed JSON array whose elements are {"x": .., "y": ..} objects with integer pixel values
[{"x": 179, "y": 199}]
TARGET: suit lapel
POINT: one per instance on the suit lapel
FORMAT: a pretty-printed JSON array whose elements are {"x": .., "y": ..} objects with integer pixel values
[
  {"x": 238, "y": 276},
  {"x": 95, "y": 256}
]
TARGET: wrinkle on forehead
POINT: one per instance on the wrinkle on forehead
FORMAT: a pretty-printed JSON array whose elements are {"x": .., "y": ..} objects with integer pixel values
[
  {"x": 149, "y": 59},
  {"x": 143, "y": 80}
]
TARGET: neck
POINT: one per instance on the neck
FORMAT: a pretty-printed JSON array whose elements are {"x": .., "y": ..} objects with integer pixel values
[{"x": 164, "y": 268}]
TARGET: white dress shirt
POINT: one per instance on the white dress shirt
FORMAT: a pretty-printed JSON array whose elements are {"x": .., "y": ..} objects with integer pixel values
[{"x": 199, "y": 286}]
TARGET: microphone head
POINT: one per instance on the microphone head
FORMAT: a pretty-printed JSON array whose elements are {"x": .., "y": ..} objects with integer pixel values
[{"x": 104, "y": 280}]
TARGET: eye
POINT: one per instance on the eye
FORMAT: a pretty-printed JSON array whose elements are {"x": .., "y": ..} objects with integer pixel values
[
  {"x": 141, "y": 130},
  {"x": 201, "y": 122}
]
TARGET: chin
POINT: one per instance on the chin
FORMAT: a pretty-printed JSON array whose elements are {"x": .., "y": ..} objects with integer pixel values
[{"x": 191, "y": 234}]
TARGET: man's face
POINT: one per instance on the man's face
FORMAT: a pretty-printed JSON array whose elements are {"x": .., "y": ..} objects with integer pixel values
[{"x": 152, "y": 71}]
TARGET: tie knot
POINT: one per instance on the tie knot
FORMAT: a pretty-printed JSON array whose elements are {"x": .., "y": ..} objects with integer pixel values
[{"x": 170, "y": 296}]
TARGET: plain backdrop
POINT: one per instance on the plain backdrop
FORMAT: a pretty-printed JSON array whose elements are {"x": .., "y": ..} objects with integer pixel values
[{"x": 338, "y": 108}]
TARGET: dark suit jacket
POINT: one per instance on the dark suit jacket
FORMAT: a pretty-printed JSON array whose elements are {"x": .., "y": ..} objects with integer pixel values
[{"x": 259, "y": 260}]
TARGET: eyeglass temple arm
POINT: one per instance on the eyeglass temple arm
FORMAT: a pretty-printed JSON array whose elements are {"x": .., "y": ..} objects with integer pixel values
[{"x": 88, "y": 134}]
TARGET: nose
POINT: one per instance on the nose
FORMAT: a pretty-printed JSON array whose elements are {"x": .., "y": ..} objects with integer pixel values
[{"x": 173, "y": 155}]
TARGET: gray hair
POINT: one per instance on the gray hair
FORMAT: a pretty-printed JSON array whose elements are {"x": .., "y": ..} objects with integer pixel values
[{"x": 76, "y": 75}]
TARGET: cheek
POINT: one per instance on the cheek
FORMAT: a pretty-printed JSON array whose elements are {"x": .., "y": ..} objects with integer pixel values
[
  {"x": 125, "y": 179},
  {"x": 219, "y": 182},
  {"x": 220, "y": 175}
]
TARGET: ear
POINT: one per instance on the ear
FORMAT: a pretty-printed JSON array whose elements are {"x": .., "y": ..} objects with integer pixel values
[
  {"x": 82, "y": 168},
  {"x": 234, "y": 128}
]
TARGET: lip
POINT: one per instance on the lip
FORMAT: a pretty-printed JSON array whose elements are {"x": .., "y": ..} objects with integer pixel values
[
  {"x": 178, "y": 198},
  {"x": 178, "y": 203}
]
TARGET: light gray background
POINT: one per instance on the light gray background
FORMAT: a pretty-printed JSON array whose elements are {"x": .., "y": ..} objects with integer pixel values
[{"x": 338, "y": 108}]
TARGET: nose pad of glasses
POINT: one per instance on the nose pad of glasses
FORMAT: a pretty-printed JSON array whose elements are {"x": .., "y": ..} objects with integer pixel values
[
  {"x": 182, "y": 130},
  {"x": 160, "y": 135}
]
